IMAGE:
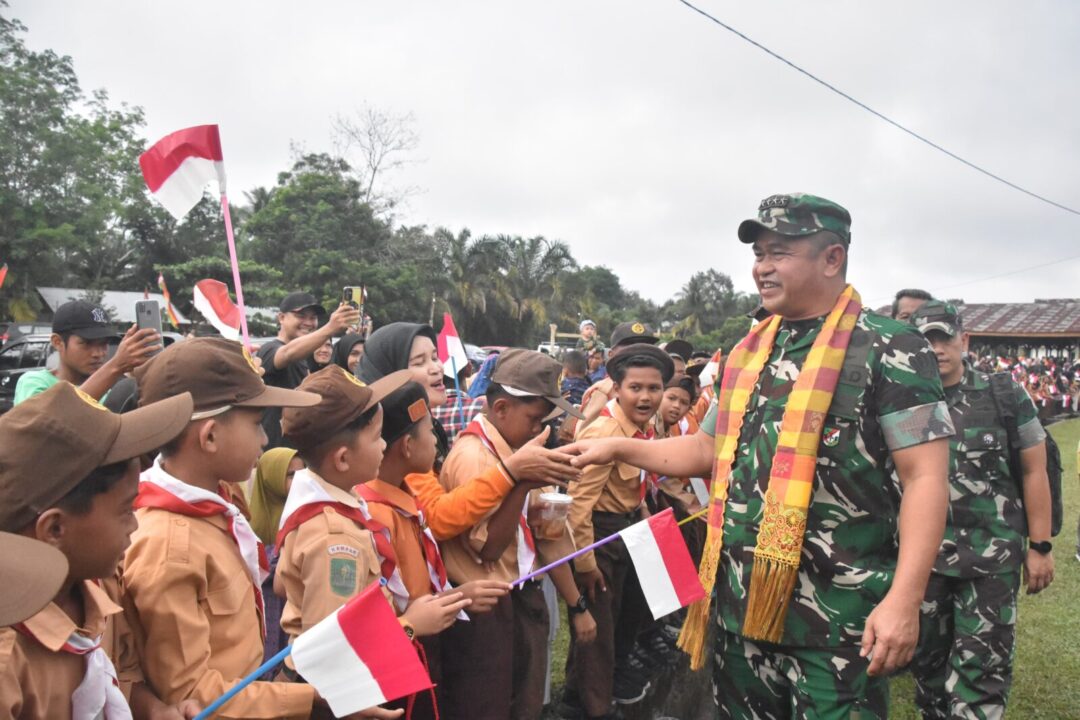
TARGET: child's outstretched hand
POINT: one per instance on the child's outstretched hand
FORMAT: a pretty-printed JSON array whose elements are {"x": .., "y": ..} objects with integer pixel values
[
  {"x": 484, "y": 594},
  {"x": 431, "y": 614}
]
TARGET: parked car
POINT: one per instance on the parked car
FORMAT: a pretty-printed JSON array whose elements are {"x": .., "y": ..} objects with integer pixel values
[
  {"x": 32, "y": 352},
  {"x": 13, "y": 330}
]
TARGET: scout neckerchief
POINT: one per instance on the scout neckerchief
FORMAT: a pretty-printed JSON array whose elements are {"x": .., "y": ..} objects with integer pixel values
[
  {"x": 791, "y": 478},
  {"x": 159, "y": 489},
  {"x": 307, "y": 498},
  {"x": 526, "y": 544},
  {"x": 649, "y": 481},
  {"x": 432, "y": 558},
  {"x": 98, "y": 695}
]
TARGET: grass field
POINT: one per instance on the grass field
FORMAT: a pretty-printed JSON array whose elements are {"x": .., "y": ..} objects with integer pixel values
[{"x": 1046, "y": 682}]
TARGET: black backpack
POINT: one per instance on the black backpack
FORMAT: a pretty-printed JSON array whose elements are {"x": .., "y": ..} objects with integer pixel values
[{"x": 1001, "y": 388}]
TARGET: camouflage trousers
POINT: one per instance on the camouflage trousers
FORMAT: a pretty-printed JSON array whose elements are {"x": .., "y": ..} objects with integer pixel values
[
  {"x": 963, "y": 666},
  {"x": 760, "y": 681}
]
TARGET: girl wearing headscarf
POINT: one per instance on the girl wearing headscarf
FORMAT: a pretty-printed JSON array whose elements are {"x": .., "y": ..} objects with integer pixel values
[{"x": 348, "y": 351}]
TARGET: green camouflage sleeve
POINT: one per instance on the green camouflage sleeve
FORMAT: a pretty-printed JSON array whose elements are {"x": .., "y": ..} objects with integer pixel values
[
  {"x": 1029, "y": 428},
  {"x": 907, "y": 392}
]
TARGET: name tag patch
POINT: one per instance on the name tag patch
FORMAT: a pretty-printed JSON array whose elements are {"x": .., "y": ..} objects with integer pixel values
[{"x": 343, "y": 550}]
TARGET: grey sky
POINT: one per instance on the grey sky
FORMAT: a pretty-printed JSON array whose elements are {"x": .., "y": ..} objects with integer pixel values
[{"x": 637, "y": 131}]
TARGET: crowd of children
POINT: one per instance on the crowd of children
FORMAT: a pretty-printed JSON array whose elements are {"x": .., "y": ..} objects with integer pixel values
[{"x": 171, "y": 554}]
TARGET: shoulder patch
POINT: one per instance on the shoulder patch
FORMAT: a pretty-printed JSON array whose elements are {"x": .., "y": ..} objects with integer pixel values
[
  {"x": 343, "y": 550},
  {"x": 343, "y": 576}
]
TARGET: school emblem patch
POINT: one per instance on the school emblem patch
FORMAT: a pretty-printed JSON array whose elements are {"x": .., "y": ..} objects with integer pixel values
[
  {"x": 831, "y": 437},
  {"x": 638, "y": 328},
  {"x": 343, "y": 576}
]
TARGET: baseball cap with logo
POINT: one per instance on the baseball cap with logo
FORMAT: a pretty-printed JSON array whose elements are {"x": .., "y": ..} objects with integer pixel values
[
  {"x": 33, "y": 572},
  {"x": 342, "y": 398},
  {"x": 73, "y": 434},
  {"x": 297, "y": 301},
  {"x": 938, "y": 315},
  {"x": 219, "y": 374},
  {"x": 528, "y": 374},
  {"x": 628, "y": 333},
  {"x": 402, "y": 410},
  {"x": 84, "y": 319},
  {"x": 797, "y": 215}
]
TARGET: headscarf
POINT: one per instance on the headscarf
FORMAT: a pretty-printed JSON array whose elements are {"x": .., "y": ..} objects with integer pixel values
[
  {"x": 344, "y": 346},
  {"x": 388, "y": 349},
  {"x": 268, "y": 492}
]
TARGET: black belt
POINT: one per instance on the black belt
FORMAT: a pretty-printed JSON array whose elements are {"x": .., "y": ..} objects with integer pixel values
[{"x": 633, "y": 515}]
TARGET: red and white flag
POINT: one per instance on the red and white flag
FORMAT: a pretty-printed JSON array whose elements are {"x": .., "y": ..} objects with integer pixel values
[
  {"x": 213, "y": 302},
  {"x": 451, "y": 351},
  {"x": 178, "y": 167},
  {"x": 664, "y": 568},
  {"x": 359, "y": 656}
]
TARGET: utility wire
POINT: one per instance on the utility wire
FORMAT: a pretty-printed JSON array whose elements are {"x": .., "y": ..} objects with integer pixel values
[{"x": 872, "y": 111}]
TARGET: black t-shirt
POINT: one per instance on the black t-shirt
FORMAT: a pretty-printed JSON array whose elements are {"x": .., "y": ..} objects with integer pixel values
[{"x": 288, "y": 377}]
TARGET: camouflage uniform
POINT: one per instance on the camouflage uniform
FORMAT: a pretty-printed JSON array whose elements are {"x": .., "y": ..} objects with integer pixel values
[
  {"x": 889, "y": 398},
  {"x": 963, "y": 667}
]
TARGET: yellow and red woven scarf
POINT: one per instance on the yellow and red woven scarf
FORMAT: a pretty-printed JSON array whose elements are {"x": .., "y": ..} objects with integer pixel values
[{"x": 791, "y": 478}]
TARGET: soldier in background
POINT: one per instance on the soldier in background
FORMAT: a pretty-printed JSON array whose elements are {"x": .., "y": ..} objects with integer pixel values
[
  {"x": 908, "y": 301},
  {"x": 963, "y": 667}
]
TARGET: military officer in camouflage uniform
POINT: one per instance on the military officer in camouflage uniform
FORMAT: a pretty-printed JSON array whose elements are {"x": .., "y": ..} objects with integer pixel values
[
  {"x": 881, "y": 473},
  {"x": 963, "y": 667}
]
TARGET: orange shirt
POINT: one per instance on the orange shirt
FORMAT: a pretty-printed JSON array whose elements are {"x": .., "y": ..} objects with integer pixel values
[
  {"x": 401, "y": 518},
  {"x": 450, "y": 513}
]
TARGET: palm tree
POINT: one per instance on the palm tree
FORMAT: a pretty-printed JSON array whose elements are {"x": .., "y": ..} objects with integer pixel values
[
  {"x": 534, "y": 274},
  {"x": 704, "y": 302}
]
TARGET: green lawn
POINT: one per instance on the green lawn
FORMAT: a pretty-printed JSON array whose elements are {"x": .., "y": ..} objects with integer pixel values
[{"x": 1046, "y": 680}]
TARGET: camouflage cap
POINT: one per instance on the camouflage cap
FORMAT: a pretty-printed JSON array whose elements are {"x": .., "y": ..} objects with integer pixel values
[
  {"x": 938, "y": 315},
  {"x": 797, "y": 215}
]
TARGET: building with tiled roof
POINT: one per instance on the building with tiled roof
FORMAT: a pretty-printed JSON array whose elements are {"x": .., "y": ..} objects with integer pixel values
[{"x": 1036, "y": 328}]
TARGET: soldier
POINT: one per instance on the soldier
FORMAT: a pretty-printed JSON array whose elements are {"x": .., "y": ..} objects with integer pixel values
[
  {"x": 908, "y": 301},
  {"x": 812, "y": 481},
  {"x": 964, "y": 664}
]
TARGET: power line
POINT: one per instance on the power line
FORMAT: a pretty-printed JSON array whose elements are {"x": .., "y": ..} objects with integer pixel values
[{"x": 874, "y": 112}]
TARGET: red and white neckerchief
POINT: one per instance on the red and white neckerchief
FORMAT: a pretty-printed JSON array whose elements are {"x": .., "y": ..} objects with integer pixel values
[
  {"x": 307, "y": 498},
  {"x": 432, "y": 556},
  {"x": 98, "y": 696},
  {"x": 649, "y": 481},
  {"x": 159, "y": 489},
  {"x": 526, "y": 544}
]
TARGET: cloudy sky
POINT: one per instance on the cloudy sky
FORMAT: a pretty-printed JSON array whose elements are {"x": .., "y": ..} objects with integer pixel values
[{"x": 639, "y": 132}]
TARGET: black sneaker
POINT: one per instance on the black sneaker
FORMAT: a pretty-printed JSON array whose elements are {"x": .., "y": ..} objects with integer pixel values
[{"x": 629, "y": 688}]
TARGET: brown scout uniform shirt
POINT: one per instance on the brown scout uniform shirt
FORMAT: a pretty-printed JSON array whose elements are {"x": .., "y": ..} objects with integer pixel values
[
  {"x": 614, "y": 488},
  {"x": 468, "y": 459},
  {"x": 195, "y": 620},
  {"x": 405, "y": 535},
  {"x": 37, "y": 678}
]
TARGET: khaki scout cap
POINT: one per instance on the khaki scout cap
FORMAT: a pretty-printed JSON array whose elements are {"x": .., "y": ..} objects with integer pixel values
[
  {"x": 33, "y": 572},
  {"x": 527, "y": 373},
  {"x": 342, "y": 398},
  {"x": 219, "y": 374},
  {"x": 55, "y": 439}
]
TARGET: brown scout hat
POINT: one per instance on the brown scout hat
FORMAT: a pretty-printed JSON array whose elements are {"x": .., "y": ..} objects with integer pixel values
[
  {"x": 342, "y": 398},
  {"x": 527, "y": 373},
  {"x": 219, "y": 374},
  {"x": 55, "y": 439},
  {"x": 33, "y": 572}
]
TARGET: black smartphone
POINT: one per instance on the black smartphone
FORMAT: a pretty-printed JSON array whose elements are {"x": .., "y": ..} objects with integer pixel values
[
  {"x": 148, "y": 315},
  {"x": 353, "y": 295}
]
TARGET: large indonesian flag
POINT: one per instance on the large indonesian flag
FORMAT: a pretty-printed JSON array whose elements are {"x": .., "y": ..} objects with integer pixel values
[
  {"x": 359, "y": 656},
  {"x": 664, "y": 568},
  {"x": 178, "y": 167},
  {"x": 213, "y": 302}
]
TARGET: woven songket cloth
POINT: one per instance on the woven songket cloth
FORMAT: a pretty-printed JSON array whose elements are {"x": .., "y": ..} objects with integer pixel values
[{"x": 791, "y": 478}]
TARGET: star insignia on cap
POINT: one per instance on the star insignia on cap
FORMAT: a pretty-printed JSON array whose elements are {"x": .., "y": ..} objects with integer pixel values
[
  {"x": 88, "y": 399},
  {"x": 251, "y": 361},
  {"x": 354, "y": 380},
  {"x": 638, "y": 328}
]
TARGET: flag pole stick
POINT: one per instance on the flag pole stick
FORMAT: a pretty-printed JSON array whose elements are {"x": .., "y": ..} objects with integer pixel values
[
  {"x": 236, "y": 689},
  {"x": 522, "y": 580},
  {"x": 235, "y": 269},
  {"x": 457, "y": 387}
]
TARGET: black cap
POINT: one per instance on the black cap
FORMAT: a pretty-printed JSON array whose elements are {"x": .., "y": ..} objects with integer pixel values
[
  {"x": 402, "y": 409},
  {"x": 632, "y": 332},
  {"x": 681, "y": 348},
  {"x": 84, "y": 319},
  {"x": 643, "y": 350},
  {"x": 294, "y": 302}
]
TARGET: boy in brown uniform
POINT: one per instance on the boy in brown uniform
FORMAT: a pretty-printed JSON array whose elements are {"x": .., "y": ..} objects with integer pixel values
[
  {"x": 607, "y": 499},
  {"x": 597, "y": 396},
  {"x": 494, "y": 666},
  {"x": 195, "y": 567},
  {"x": 75, "y": 658}
]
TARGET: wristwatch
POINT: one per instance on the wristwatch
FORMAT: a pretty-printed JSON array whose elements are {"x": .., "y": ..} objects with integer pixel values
[
  {"x": 579, "y": 607},
  {"x": 1043, "y": 548},
  {"x": 410, "y": 631}
]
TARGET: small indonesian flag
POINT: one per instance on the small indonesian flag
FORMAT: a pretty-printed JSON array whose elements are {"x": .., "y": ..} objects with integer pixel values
[
  {"x": 213, "y": 301},
  {"x": 451, "y": 351},
  {"x": 3, "y": 274},
  {"x": 665, "y": 571},
  {"x": 359, "y": 656},
  {"x": 168, "y": 301},
  {"x": 178, "y": 167}
]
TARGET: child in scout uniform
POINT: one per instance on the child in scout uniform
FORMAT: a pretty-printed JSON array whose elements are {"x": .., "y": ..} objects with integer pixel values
[
  {"x": 330, "y": 547},
  {"x": 494, "y": 667},
  {"x": 75, "y": 658},
  {"x": 607, "y": 499},
  {"x": 195, "y": 567},
  {"x": 410, "y": 441},
  {"x": 602, "y": 391}
]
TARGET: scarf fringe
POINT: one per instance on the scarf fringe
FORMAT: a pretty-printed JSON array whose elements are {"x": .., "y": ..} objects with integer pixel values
[
  {"x": 695, "y": 629},
  {"x": 772, "y": 583}
]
